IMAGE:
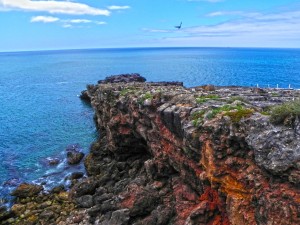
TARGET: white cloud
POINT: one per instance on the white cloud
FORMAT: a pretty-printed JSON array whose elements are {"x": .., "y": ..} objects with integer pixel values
[
  {"x": 67, "y": 23},
  {"x": 250, "y": 29},
  {"x": 100, "y": 22},
  {"x": 44, "y": 19},
  {"x": 232, "y": 13},
  {"x": 52, "y": 6},
  {"x": 67, "y": 26},
  {"x": 116, "y": 7},
  {"x": 80, "y": 21},
  {"x": 157, "y": 30}
]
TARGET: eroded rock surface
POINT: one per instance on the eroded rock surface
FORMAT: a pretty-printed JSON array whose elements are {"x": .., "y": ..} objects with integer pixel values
[
  {"x": 172, "y": 155},
  {"x": 164, "y": 159}
]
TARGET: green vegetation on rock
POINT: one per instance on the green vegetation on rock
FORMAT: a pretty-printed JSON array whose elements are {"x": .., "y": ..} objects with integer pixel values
[
  {"x": 235, "y": 112},
  {"x": 197, "y": 118},
  {"x": 206, "y": 98},
  {"x": 128, "y": 90},
  {"x": 237, "y": 98},
  {"x": 144, "y": 97},
  {"x": 285, "y": 113}
]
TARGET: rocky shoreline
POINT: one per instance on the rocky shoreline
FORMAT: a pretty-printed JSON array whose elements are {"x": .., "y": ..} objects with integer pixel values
[{"x": 175, "y": 155}]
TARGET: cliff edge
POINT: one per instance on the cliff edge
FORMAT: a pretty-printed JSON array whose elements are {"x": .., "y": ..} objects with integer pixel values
[{"x": 203, "y": 155}]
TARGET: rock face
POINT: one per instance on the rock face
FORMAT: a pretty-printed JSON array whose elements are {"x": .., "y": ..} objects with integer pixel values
[
  {"x": 204, "y": 155},
  {"x": 169, "y": 155}
]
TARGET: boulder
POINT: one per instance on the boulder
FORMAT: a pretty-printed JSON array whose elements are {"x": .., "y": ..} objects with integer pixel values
[
  {"x": 52, "y": 161},
  {"x": 85, "y": 96},
  {"x": 74, "y": 154},
  {"x": 25, "y": 190},
  {"x": 74, "y": 157}
]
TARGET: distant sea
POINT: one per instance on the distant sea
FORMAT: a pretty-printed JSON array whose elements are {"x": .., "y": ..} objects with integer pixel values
[{"x": 41, "y": 114}]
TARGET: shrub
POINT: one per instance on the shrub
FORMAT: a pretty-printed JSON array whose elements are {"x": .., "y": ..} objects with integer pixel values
[
  {"x": 286, "y": 111},
  {"x": 237, "y": 115}
]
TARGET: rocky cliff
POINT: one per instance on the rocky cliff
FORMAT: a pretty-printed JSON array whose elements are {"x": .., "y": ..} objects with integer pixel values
[
  {"x": 206, "y": 155},
  {"x": 188, "y": 156}
]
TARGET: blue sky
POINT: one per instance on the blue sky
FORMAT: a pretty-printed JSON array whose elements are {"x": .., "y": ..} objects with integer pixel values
[{"x": 75, "y": 24}]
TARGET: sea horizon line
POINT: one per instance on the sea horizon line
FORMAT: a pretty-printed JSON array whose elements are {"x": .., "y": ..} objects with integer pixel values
[{"x": 140, "y": 48}]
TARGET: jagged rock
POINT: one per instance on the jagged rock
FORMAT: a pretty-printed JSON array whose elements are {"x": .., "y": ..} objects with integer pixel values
[
  {"x": 204, "y": 155},
  {"x": 87, "y": 187},
  {"x": 85, "y": 201},
  {"x": 76, "y": 175},
  {"x": 74, "y": 154},
  {"x": 85, "y": 96},
  {"x": 25, "y": 190},
  {"x": 199, "y": 170},
  {"x": 126, "y": 78},
  {"x": 74, "y": 157}
]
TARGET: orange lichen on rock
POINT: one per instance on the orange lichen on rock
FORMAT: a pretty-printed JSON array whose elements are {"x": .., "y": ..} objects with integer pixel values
[{"x": 228, "y": 184}]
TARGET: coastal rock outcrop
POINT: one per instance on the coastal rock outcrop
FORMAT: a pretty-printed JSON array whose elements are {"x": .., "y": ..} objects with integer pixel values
[
  {"x": 184, "y": 156},
  {"x": 203, "y": 155}
]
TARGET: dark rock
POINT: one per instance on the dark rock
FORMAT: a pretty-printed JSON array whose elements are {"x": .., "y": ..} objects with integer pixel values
[
  {"x": 167, "y": 83},
  {"x": 47, "y": 214},
  {"x": 85, "y": 96},
  {"x": 25, "y": 190},
  {"x": 85, "y": 201},
  {"x": 126, "y": 78},
  {"x": 119, "y": 217},
  {"x": 100, "y": 199},
  {"x": 74, "y": 154},
  {"x": 76, "y": 175},
  {"x": 74, "y": 157},
  {"x": 87, "y": 187},
  {"x": 58, "y": 189},
  {"x": 108, "y": 205},
  {"x": 52, "y": 161},
  {"x": 5, "y": 214},
  {"x": 144, "y": 203}
]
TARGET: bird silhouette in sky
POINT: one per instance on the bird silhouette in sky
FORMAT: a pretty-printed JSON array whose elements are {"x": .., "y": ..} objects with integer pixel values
[{"x": 178, "y": 27}]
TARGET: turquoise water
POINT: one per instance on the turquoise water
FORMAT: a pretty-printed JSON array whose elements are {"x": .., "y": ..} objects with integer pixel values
[{"x": 41, "y": 113}]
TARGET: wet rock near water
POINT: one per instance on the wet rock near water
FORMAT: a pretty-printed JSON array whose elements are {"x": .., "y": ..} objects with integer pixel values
[
  {"x": 25, "y": 190},
  {"x": 84, "y": 96},
  {"x": 74, "y": 154},
  {"x": 53, "y": 161}
]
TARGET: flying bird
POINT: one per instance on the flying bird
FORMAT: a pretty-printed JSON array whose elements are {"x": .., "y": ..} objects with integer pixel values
[{"x": 178, "y": 27}]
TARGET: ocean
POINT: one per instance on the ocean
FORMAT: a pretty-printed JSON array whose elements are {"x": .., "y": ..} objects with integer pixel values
[{"x": 41, "y": 113}]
